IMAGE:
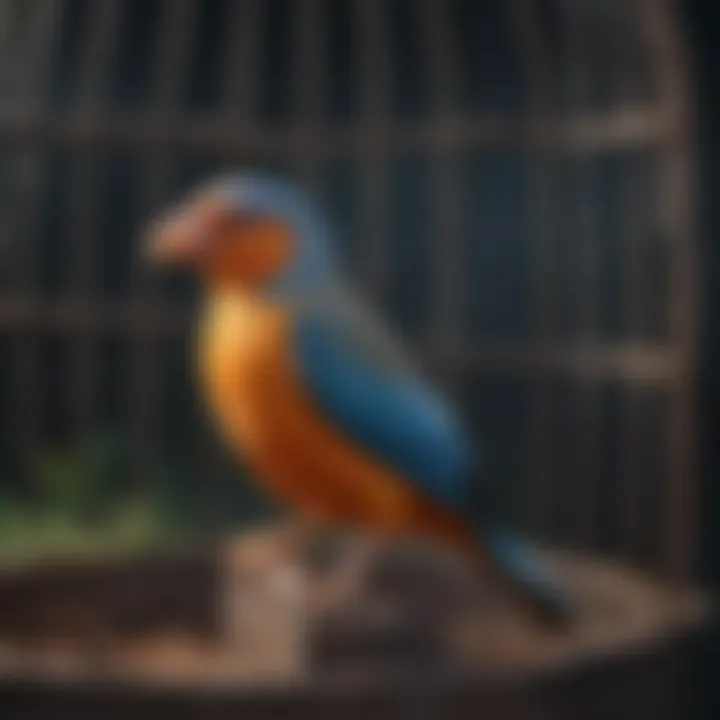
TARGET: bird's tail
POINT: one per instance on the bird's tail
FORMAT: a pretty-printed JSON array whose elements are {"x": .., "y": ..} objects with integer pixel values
[
  {"x": 528, "y": 573},
  {"x": 520, "y": 567}
]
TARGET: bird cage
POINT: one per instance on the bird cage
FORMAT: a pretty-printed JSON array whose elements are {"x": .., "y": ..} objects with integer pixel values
[{"x": 510, "y": 182}]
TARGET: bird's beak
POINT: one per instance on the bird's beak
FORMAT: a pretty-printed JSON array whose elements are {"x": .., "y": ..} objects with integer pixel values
[
  {"x": 182, "y": 238},
  {"x": 174, "y": 241}
]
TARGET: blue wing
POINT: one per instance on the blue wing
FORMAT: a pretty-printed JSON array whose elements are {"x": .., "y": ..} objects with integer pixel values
[
  {"x": 387, "y": 410},
  {"x": 377, "y": 401}
]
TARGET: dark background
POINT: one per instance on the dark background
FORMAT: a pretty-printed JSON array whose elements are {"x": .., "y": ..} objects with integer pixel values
[{"x": 703, "y": 21}]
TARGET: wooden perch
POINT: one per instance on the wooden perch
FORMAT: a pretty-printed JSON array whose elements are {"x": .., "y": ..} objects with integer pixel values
[{"x": 423, "y": 607}]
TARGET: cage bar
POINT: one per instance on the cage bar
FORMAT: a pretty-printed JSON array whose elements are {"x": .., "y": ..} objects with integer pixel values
[
  {"x": 651, "y": 363},
  {"x": 632, "y": 127},
  {"x": 527, "y": 23},
  {"x": 372, "y": 144},
  {"x": 442, "y": 70},
  {"x": 636, "y": 203},
  {"x": 99, "y": 61},
  {"x": 11, "y": 28},
  {"x": 7, "y": 20},
  {"x": 675, "y": 206},
  {"x": 242, "y": 53},
  {"x": 308, "y": 121},
  {"x": 579, "y": 87},
  {"x": 636, "y": 236},
  {"x": 170, "y": 78},
  {"x": 35, "y": 71}
]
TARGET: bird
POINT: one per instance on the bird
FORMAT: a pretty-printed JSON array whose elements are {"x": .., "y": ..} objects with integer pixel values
[{"x": 317, "y": 393}]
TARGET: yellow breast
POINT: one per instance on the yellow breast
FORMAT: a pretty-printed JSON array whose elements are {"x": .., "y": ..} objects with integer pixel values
[
  {"x": 238, "y": 336},
  {"x": 259, "y": 406}
]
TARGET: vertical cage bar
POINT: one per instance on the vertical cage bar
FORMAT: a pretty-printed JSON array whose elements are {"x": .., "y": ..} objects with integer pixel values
[
  {"x": 38, "y": 52},
  {"x": 10, "y": 27},
  {"x": 101, "y": 52},
  {"x": 634, "y": 208},
  {"x": 373, "y": 153},
  {"x": 635, "y": 202},
  {"x": 99, "y": 58},
  {"x": 34, "y": 83},
  {"x": 442, "y": 64},
  {"x": 448, "y": 291},
  {"x": 243, "y": 52},
  {"x": 8, "y": 10},
  {"x": 586, "y": 295},
  {"x": 170, "y": 76},
  {"x": 677, "y": 212},
  {"x": 526, "y": 20},
  {"x": 308, "y": 87}
]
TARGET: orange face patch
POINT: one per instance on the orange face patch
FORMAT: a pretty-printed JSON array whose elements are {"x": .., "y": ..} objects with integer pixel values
[{"x": 248, "y": 252}]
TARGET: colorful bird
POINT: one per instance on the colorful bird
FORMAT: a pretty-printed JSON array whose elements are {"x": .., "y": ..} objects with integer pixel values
[{"x": 317, "y": 393}]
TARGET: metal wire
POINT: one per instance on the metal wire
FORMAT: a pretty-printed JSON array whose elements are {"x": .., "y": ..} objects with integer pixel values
[
  {"x": 23, "y": 224},
  {"x": 99, "y": 59},
  {"x": 375, "y": 71},
  {"x": 675, "y": 208},
  {"x": 446, "y": 189},
  {"x": 170, "y": 81},
  {"x": 533, "y": 47},
  {"x": 580, "y": 85},
  {"x": 309, "y": 81}
]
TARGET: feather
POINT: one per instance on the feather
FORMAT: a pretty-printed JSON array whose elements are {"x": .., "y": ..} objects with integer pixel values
[{"x": 361, "y": 378}]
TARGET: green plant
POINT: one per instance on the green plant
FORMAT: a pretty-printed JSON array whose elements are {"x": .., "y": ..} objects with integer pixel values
[
  {"x": 88, "y": 504},
  {"x": 91, "y": 501}
]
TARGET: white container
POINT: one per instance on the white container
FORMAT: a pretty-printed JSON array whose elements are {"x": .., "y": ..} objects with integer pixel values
[{"x": 264, "y": 609}]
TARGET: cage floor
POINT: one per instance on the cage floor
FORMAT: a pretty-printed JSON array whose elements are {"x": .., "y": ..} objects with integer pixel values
[{"x": 154, "y": 622}]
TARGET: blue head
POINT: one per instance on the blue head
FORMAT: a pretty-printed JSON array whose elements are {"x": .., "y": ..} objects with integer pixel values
[{"x": 248, "y": 230}]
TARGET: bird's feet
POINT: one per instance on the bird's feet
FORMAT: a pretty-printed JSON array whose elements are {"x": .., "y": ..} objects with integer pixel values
[{"x": 346, "y": 585}]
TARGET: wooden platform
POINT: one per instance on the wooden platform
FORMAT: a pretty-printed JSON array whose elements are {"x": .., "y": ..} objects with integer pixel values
[{"x": 145, "y": 636}]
